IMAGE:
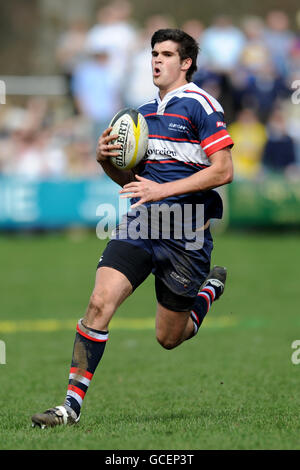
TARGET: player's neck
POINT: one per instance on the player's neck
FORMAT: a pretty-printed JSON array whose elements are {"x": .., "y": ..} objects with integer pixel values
[{"x": 164, "y": 91}]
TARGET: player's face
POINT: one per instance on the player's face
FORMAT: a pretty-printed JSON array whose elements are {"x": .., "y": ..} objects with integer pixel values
[{"x": 168, "y": 70}]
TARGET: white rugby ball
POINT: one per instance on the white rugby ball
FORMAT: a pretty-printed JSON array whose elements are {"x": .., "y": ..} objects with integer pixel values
[{"x": 132, "y": 130}]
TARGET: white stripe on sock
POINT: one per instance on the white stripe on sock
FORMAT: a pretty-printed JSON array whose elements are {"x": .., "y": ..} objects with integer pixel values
[
  {"x": 212, "y": 290},
  {"x": 80, "y": 379},
  {"x": 75, "y": 395}
]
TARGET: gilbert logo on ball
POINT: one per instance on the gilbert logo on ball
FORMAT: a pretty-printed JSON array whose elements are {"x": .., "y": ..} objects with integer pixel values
[{"x": 132, "y": 130}]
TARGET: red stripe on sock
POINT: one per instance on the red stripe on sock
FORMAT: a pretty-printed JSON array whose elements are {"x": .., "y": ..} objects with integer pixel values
[
  {"x": 83, "y": 373},
  {"x": 198, "y": 321},
  {"x": 90, "y": 337},
  {"x": 209, "y": 293},
  {"x": 77, "y": 390},
  {"x": 207, "y": 301}
]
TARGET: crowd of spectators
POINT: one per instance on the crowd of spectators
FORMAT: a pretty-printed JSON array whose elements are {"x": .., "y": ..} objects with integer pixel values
[{"x": 250, "y": 67}]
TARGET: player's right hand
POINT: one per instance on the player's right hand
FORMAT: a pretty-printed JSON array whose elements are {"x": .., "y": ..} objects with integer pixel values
[{"x": 105, "y": 148}]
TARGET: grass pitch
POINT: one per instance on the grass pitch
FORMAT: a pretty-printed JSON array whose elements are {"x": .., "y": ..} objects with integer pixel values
[{"x": 233, "y": 386}]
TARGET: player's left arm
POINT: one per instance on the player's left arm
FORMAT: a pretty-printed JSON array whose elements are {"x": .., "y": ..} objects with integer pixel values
[{"x": 220, "y": 172}]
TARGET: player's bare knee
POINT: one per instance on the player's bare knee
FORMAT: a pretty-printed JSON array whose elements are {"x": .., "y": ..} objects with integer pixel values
[
  {"x": 167, "y": 343},
  {"x": 96, "y": 305},
  {"x": 99, "y": 307}
]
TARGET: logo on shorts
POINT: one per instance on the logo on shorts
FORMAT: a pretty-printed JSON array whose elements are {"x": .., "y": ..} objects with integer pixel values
[
  {"x": 221, "y": 124},
  {"x": 180, "y": 279}
]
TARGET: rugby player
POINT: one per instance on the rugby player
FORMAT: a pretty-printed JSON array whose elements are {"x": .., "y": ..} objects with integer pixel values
[{"x": 188, "y": 156}]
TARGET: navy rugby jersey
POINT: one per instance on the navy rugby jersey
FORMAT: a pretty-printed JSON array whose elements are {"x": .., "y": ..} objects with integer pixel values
[{"x": 185, "y": 128}]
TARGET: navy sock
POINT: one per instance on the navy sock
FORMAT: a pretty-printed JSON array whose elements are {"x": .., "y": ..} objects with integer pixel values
[
  {"x": 88, "y": 349},
  {"x": 202, "y": 304}
]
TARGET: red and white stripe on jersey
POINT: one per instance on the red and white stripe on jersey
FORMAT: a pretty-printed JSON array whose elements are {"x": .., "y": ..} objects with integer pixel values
[
  {"x": 207, "y": 101},
  {"x": 173, "y": 139},
  {"x": 182, "y": 151},
  {"x": 216, "y": 142},
  {"x": 173, "y": 115},
  {"x": 90, "y": 334},
  {"x": 204, "y": 100}
]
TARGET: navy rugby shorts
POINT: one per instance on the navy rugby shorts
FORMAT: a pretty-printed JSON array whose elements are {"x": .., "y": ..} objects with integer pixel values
[{"x": 178, "y": 272}]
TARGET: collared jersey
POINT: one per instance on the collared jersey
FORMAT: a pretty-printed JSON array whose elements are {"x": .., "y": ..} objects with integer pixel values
[
  {"x": 185, "y": 129},
  {"x": 187, "y": 125}
]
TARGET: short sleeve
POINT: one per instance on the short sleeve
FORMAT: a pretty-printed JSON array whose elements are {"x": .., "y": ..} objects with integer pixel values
[{"x": 212, "y": 131}]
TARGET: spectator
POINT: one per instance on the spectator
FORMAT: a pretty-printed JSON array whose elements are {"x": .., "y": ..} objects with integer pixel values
[
  {"x": 292, "y": 115},
  {"x": 279, "y": 153},
  {"x": 255, "y": 81},
  {"x": 12, "y": 118},
  {"x": 34, "y": 155},
  {"x": 205, "y": 78},
  {"x": 252, "y": 67},
  {"x": 265, "y": 90},
  {"x": 81, "y": 164},
  {"x": 96, "y": 90},
  {"x": 194, "y": 28},
  {"x": 138, "y": 91},
  {"x": 294, "y": 60},
  {"x": 249, "y": 136},
  {"x": 210, "y": 82},
  {"x": 222, "y": 44},
  {"x": 254, "y": 53},
  {"x": 292, "y": 104},
  {"x": 70, "y": 52},
  {"x": 114, "y": 31},
  {"x": 278, "y": 38}
]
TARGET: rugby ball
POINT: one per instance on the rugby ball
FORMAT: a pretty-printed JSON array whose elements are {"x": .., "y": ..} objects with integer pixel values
[{"x": 132, "y": 130}]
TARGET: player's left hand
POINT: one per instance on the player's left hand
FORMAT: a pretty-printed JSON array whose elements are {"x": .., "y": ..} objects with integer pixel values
[{"x": 147, "y": 190}]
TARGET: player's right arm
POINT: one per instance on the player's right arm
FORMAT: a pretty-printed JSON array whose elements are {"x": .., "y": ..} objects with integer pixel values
[{"x": 105, "y": 150}]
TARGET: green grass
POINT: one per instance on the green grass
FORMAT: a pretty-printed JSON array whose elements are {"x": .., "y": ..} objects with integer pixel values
[{"x": 232, "y": 387}]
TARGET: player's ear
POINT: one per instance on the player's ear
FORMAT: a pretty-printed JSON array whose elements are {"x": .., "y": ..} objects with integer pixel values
[{"x": 185, "y": 64}]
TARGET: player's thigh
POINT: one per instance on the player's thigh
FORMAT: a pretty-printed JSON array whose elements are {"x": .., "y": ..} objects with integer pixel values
[
  {"x": 122, "y": 268},
  {"x": 111, "y": 289}
]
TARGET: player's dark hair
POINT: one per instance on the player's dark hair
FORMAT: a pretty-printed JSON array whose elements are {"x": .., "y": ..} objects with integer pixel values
[{"x": 187, "y": 46}]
